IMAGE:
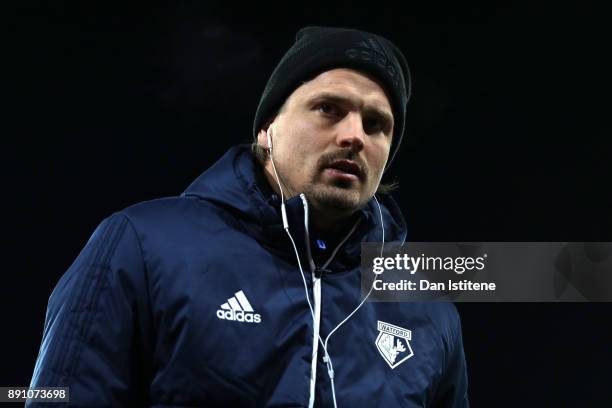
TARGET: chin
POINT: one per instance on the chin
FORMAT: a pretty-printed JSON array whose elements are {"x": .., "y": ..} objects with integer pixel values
[{"x": 336, "y": 199}]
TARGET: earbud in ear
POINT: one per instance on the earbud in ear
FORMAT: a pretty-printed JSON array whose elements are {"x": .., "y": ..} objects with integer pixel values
[{"x": 269, "y": 137}]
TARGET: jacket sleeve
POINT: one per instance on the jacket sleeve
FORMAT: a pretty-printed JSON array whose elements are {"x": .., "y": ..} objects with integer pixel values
[
  {"x": 452, "y": 391},
  {"x": 97, "y": 326}
]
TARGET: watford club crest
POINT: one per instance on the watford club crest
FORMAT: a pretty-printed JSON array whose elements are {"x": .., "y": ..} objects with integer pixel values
[{"x": 393, "y": 343}]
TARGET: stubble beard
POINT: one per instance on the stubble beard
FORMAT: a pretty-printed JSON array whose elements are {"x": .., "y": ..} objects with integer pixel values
[{"x": 334, "y": 198}]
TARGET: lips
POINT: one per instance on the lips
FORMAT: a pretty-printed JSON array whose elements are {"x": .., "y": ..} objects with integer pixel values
[{"x": 346, "y": 166}]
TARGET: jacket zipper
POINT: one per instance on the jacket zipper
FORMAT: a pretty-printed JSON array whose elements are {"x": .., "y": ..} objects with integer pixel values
[{"x": 316, "y": 289}]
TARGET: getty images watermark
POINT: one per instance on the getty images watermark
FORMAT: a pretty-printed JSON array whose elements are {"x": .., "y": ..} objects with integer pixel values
[{"x": 488, "y": 271}]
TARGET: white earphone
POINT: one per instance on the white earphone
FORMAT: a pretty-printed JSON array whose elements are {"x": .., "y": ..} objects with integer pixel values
[
  {"x": 326, "y": 357},
  {"x": 280, "y": 187},
  {"x": 269, "y": 139}
]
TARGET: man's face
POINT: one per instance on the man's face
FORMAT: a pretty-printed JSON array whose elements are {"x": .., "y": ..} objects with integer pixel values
[{"x": 331, "y": 141}]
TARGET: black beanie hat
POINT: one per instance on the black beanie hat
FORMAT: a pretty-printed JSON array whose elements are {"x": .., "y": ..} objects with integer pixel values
[{"x": 318, "y": 49}]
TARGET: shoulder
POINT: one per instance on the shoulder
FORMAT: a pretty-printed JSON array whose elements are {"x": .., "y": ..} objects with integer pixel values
[
  {"x": 442, "y": 316},
  {"x": 157, "y": 207},
  {"x": 166, "y": 211},
  {"x": 179, "y": 219},
  {"x": 444, "y": 312},
  {"x": 446, "y": 317}
]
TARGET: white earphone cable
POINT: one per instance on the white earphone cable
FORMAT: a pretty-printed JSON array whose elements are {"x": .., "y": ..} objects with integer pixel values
[{"x": 326, "y": 358}]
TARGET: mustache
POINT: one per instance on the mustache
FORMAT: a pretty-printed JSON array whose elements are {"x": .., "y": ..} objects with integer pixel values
[{"x": 328, "y": 158}]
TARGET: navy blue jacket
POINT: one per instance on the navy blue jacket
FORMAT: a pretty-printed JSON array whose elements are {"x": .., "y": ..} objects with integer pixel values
[{"x": 198, "y": 300}]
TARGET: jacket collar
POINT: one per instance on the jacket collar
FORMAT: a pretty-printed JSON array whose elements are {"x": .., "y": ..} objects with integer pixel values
[{"x": 236, "y": 183}]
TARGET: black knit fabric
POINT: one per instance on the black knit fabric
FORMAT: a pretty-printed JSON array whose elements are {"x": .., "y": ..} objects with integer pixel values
[{"x": 318, "y": 49}]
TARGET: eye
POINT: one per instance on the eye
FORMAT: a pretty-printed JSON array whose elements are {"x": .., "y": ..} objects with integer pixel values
[
  {"x": 327, "y": 109},
  {"x": 373, "y": 125}
]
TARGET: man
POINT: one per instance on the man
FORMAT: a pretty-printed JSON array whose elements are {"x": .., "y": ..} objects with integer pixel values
[{"x": 245, "y": 290}]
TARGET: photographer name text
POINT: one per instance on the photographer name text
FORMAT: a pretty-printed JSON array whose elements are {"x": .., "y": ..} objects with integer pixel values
[{"x": 426, "y": 285}]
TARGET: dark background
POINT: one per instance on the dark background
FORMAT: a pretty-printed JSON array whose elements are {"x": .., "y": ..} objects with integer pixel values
[{"x": 107, "y": 105}]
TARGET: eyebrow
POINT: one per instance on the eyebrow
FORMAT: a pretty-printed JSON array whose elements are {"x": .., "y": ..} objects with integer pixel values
[{"x": 342, "y": 100}]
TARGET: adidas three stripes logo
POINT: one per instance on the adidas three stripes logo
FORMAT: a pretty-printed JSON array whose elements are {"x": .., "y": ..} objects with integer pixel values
[{"x": 239, "y": 309}]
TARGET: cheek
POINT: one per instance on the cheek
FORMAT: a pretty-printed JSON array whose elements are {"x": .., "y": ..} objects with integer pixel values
[
  {"x": 294, "y": 139},
  {"x": 293, "y": 156},
  {"x": 378, "y": 158},
  {"x": 301, "y": 150}
]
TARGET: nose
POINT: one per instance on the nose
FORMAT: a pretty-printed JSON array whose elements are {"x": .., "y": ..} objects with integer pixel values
[{"x": 350, "y": 132}]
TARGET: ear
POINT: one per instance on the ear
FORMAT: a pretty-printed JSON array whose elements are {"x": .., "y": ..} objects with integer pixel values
[{"x": 262, "y": 137}]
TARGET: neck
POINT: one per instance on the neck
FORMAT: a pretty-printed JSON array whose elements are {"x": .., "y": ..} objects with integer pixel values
[
  {"x": 325, "y": 223},
  {"x": 268, "y": 172}
]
